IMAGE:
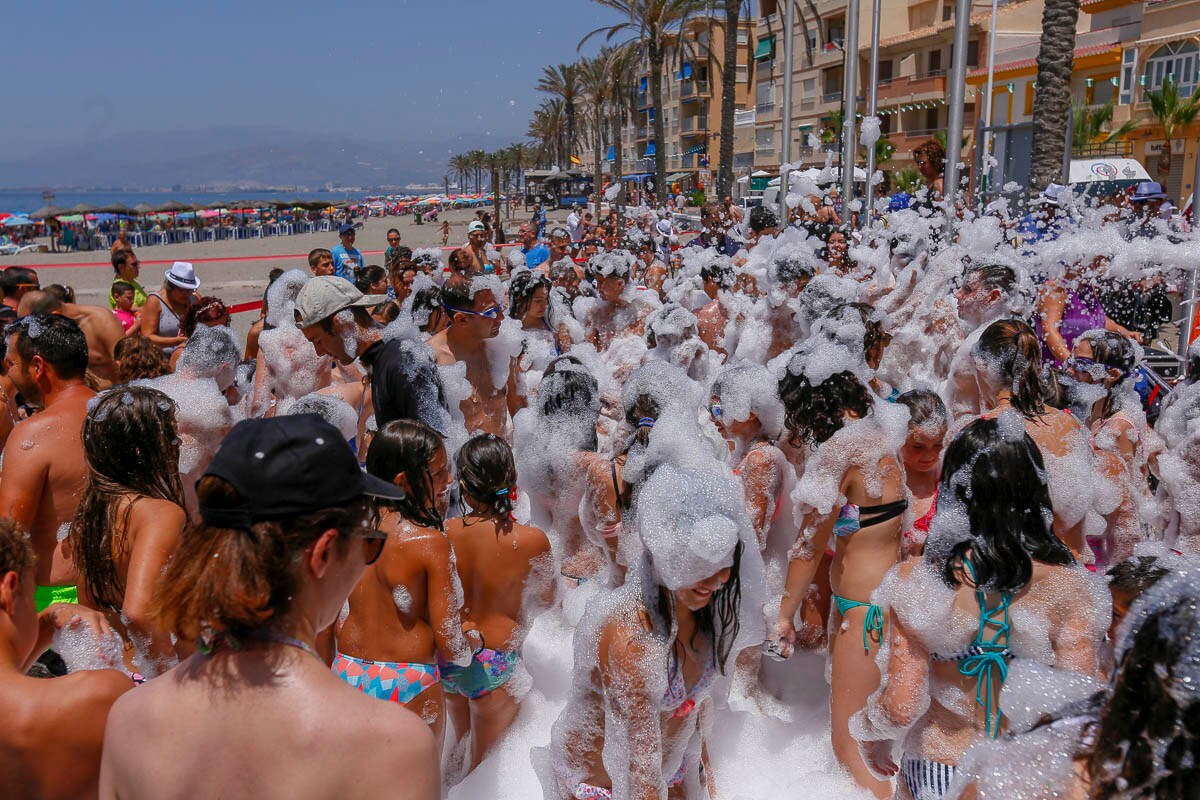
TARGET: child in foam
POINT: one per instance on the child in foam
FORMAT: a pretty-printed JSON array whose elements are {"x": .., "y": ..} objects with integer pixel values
[
  {"x": 406, "y": 606},
  {"x": 852, "y": 493},
  {"x": 995, "y": 585},
  {"x": 922, "y": 458},
  {"x": 507, "y": 576},
  {"x": 646, "y": 654}
]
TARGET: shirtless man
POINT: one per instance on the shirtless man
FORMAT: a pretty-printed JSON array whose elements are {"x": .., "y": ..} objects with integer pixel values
[
  {"x": 988, "y": 293},
  {"x": 475, "y": 254},
  {"x": 711, "y": 319},
  {"x": 101, "y": 329},
  {"x": 475, "y": 316},
  {"x": 53, "y": 730},
  {"x": 44, "y": 472},
  {"x": 15, "y": 282},
  {"x": 560, "y": 248}
]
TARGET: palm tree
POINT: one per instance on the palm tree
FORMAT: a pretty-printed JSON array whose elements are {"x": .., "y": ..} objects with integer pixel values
[
  {"x": 1052, "y": 102},
  {"x": 547, "y": 128},
  {"x": 478, "y": 162},
  {"x": 594, "y": 80},
  {"x": 733, "y": 17},
  {"x": 461, "y": 166},
  {"x": 1171, "y": 113},
  {"x": 654, "y": 25},
  {"x": 1088, "y": 126},
  {"x": 622, "y": 66},
  {"x": 562, "y": 82},
  {"x": 519, "y": 156}
]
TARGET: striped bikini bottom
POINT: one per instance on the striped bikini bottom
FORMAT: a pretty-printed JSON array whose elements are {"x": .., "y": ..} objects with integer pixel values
[{"x": 926, "y": 780}]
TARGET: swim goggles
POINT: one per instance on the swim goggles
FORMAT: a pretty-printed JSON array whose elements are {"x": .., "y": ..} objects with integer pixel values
[{"x": 495, "y": 312}]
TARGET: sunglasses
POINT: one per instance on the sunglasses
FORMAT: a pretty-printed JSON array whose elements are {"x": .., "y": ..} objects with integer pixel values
[
  {"x": 373, "y": 542},
  {"x": 495, "y": 312},
  {"x": 716, "y": 411},
  {"x": 1087, "y": 366}
]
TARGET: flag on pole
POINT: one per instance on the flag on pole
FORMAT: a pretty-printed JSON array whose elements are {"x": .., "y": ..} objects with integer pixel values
[{"x": 575, "y": 160}]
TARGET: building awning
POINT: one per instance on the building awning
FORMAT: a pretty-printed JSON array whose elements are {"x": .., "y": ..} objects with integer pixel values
[
  {"x": 765, "y": 49},
  {"x": 649, "y": 150},
  {"x": 642, "y": 85},
  {"x": 692, "y": 151},
  {"x": 637, "y": 176},
  {"x": 684, "y": 73},
  {"x": 674, "y": 176},
  {"x": 612, "y": 153}
]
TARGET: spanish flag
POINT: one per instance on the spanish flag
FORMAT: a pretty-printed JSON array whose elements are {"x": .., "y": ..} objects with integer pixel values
[{"x": 575, "y": 160}]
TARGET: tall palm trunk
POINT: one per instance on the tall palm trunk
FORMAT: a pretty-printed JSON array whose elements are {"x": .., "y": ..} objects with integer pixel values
[
  {"x": 618, "y": 168},
  {"x": 1052, "y": 102},
  {"x": 598, "y": 172},
  {"x": 733, "y": 13},
  {"x": 657, "y": 58}
]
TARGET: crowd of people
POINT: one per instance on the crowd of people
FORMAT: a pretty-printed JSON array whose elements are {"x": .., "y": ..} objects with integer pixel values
[{"x": 623, "y": 480}]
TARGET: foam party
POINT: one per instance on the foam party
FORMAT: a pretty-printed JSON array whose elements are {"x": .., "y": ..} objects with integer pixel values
[{"x": 851, "y": 491}]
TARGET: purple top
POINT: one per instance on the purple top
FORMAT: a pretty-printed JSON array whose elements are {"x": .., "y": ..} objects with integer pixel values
[{"x": 1081, "y": 313}]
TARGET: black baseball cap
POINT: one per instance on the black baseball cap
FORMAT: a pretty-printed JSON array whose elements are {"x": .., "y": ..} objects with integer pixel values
[{"x": 286, "y": 466}]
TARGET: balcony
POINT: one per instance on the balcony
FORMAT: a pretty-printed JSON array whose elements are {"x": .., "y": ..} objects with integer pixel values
[
  {"x": 764, "y": 108},
  {"x": 643, "y": 100},
  {"x": 693, "y": 126},
  {"x": 831, "y": 97},
  {"x": 922, "y": 86},
  {"x": 693, "y": 89},
  {"x": 762, "y": 154},
  {"x": 743, "y": 119},
  {"x": 643, "y": 132}
]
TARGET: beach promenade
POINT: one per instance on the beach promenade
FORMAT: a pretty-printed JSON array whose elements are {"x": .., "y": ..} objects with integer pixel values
[{"x": 236, "y": 271}]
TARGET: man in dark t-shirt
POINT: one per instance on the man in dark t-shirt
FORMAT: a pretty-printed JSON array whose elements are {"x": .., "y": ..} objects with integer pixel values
[{"x": 404, "y": 380}]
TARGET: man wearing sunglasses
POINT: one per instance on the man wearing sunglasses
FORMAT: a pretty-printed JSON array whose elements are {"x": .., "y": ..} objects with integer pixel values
[
  {"x": 475, "y": 317},
  {"x": 15, "y": 283},
  {"x": 335, "y": 317},
  {"x": 346, "y": 257}
]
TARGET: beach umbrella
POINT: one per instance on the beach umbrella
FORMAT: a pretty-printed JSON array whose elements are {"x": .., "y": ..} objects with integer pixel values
[
  {"x": 143, "y": 208},
  {"x": 83, "y": 208},
  {"x": 46, "y": 212},
  {"x": 18, "y": 222},
  {"x": 173, "y": 206},
  {"x": 117, "y": 208}
]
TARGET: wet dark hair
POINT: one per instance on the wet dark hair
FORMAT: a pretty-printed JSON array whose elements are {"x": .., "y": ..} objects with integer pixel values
[
  {"x": 762, "y": 218},
  {"x": 992, "y": 275},
  {"x": 429, "y": 299},
  {"x": 456, "y": 293},
  {"x": 488, "y": 475},
  {"x": 120, "y": 258},
  {"x": 790, "y": 269},
  {"x": 275, "y": 274},
  {"x": 16, "y": 551},
  {"x": 814, "y": 413},
  {"x": 57, "y": 339},
  {"x": 718, "y": 622},
  {"x": 139, "y": 358},
  {"x": 1148, "y": 738},
  {"x": 719, "y": 272},
  {"x": 427, "y": 262},
  {"x": 399, "y": 259},
  {"x": 1136, "y": 574},
  {"x": 521, "y": 289},
  {"x": 1001, "y": 484},
  {"x": 875, "y": 336},
  {"x": 232, "y": 582},
  {"x": 363, "y": 278},
  {"x": 13, "y": 278},
  {"x": 205, "y": 310},
  {"x": 924, "y": 405},
  {"x": 1012, "y": 345},
  {"x": 131, "y": 450},
  {"x": 405, "y": 447},
  {"x": 65, "y": 294},
  {"x": 1115, "y": 352}
]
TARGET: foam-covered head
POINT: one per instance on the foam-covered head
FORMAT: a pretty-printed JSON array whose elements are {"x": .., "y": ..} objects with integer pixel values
[
  {"x": 690, "y": 521},
  {"x": 211, "y": 353},
  {"x": 334, "y": 410},
  {"x": 746, "y": 388}
]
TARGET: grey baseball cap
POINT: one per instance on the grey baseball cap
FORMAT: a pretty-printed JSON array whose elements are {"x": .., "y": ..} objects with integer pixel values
[{"x": 325, "y": 295}]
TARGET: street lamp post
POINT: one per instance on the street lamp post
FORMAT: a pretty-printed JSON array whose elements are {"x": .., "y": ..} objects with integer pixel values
[
  {"x": 849, "y": 104},
  {"x": 872, "y": 109},
  {"x": 785, "y": 149},
  {"x": 958, "y": 83}
]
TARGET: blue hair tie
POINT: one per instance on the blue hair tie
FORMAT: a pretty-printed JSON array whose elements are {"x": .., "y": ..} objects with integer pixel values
[
  {"x": 502, "y": 493},
  {"x": 646, "y": 422}
]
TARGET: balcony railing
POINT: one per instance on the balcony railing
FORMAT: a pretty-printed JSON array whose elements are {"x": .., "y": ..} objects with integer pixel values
[
  {"x": 643, "y": 132},
  {"x": 693, "y": 125},
  {"x": 743, "y": 118},
  {"x": 764, "y": 108},
  {"x": 693, "y": 88},
  {"x": 831, "y": 97},
  {"x": 761, "y": 153},
  {"x": 643, "y": 99}
]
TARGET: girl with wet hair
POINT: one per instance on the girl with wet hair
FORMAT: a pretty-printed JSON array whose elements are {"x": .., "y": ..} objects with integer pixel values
[
  {"x": 405, "y": 609},
  {"x": 921, "y": 455},
  {"x": 425, "y": 305},
  {"x": 1008, "y": 366},
  {"x": 853, "y": 462},
  {"x": 529, "y": 304},
  {"x": 507, "y": 576},
  {"x": 994, "y": 585},
  {"x": 648, "y": 653},
  {"x": 1100, "y": 382},
  {"x": 130, "y": 519}
]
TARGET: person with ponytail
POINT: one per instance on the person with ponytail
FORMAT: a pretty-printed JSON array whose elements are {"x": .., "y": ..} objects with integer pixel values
[
  {"x": 1008, "y": 366},
  {"x": 404, "y": 610},
  {"x": 507, "y": 576},
  {"x": 130, "y": 519},
  {"x": 995, "y": 587},
  {"x": 287, "y": 528}
]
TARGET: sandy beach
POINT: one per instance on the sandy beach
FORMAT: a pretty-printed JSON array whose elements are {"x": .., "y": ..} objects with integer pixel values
[{"x": 236, "y": 271}]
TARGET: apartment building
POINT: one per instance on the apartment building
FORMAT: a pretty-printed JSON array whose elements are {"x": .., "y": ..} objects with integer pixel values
[{"x": 692, "y": 87}]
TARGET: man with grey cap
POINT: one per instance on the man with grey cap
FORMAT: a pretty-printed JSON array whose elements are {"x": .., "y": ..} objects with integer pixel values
[
  {"x": 335, "y": 317},
  {"x": 476, "y": 254}
]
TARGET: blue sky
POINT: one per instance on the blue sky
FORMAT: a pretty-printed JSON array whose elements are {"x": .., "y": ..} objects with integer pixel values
[{"x": 400, "y": 71}]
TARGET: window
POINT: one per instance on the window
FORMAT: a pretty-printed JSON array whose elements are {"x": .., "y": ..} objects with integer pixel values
[
  {"x": 767, "y": 7},
  {"x": 743, "y": 73},
  {"x": 973, "y": 53},
  {"x": 812, "y": 39},
  {"x": 1176, "y": 61},
  {"x": 947, "y": 11},
  {"x": 765, "y": 49},
  {"x": 743, "y": 37},
  {"x": 1128, "y": 65},
  {"x": 810, "y": 87},
  {"x": 835, "y": 30},
  {"x": 764, "y": 100},
  {"x": 764, "y": 138},
  {"x": 935, "y": 61},
  {"x": 885, "y": 70}
]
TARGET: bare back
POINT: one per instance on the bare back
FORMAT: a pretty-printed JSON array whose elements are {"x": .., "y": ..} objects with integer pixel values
[
  {"x": 496, "y": 564},
  {"x": 102, "y": 331}
]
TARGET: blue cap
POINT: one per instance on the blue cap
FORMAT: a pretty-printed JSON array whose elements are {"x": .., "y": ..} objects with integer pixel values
[{"x": 347, "y": 228}]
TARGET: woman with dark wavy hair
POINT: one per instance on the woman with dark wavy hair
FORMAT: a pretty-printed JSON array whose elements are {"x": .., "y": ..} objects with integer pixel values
[
  {"x": 130, "y": 519},
  {"x": 995, "y": 584},
  {"x": 507, "y": 576},
  {"x": 852, "y": 495}
]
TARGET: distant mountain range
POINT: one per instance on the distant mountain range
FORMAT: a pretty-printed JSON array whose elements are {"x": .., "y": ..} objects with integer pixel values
[{"x": 242, "y": 157}]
